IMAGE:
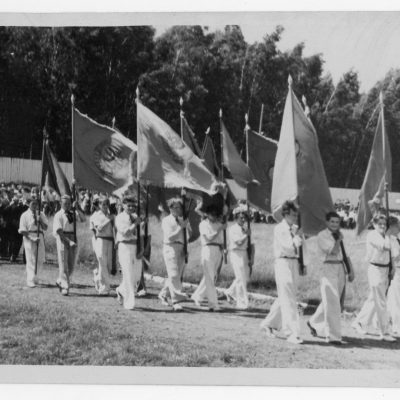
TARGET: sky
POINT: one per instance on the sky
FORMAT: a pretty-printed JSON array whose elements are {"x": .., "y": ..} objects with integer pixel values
[{"x": 368, "y": 42}]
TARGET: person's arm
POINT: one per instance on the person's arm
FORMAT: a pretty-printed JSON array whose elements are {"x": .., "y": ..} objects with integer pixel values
[
  {"x": 327, "y": 243},
  {"x": 43, "y": 221},
  {"x": 125, "y": 227},
  {"x": 172, "y": 232},
  {"x": 379, "y": 242},
  {"x": 208, "y": 233},
  {"x": 285, "y": 240},
  {"x": 237, "y": 236},
  {"x": 24, "y": 229}
]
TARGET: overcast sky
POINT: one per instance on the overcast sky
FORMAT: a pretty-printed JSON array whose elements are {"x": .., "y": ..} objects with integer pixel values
[{"x": 368, "y": 42}]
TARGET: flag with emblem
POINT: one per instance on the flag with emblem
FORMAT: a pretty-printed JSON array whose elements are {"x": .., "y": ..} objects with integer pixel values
[
  {"x": 103, "y": 158},
  {"x": 299, "y": 174},
  {"x": 164, "y": 159},
  {"x": 53, "y": 176}
]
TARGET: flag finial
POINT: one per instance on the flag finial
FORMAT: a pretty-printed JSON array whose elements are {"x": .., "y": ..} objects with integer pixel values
[
  {"x": 304, "y": 100},
  {"x": 72, "y": 99},
  {"x": 113, "y": 122},
  {"x": 246, "y": 118},
  {"x": 381, "y": 98},
  {"x": 208, "y": 131},
  {"x": 181, "y": 101},
  {"x": 45, "y": 135},
  {"x": 137, "y": 92},
  {"x": 290, "y": 80},
  {"x": 220, "y": 112}
]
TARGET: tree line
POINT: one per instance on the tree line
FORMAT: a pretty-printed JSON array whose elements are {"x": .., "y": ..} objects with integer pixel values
[{"x": 102, "y": 66}]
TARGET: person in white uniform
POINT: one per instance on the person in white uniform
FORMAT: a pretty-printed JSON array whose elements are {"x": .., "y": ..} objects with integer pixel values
[
  {"x": 173, "y": 252},
  {"x": 211, "y": 237},
  {"x": 126, "y": 224},
  {"x": 33, "y": 242},
  {"x": 284, "y": 314},
  {"x": 102, "y": 225},
  {"x": 378, "y": 257},
  {"x": 63, "y": 231},
  {"x": 326, "y": 318},
  {"x": 393, "y": 297},
  {"x": 238, "y": 236}
]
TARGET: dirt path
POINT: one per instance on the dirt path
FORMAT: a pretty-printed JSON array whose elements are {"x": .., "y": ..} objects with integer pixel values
[{"x": 228, "y": 338}]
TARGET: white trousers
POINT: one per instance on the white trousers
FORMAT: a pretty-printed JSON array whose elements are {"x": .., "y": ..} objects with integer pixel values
[
  {"x": 130, "y": 267},
  {"x": 393, "y": 302},
  {"x": 375, "y": 305},
  {"x": 284, "y": 314},
  {"x": 238, "y": 289},
  {"x": 66, "y": 262},
  {"x": 174, "y": 262},
  {"x": 211, "y": 257},
  {"x": 103, "y": 249},
  {"x": 31, "y": 252},
  {"x": 326, "y": 318}
]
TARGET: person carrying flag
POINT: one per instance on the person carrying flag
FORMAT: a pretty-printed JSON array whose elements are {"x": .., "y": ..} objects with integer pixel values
[
  {"x": 28, "y": 228},
  {"x": 284, "y": 313},
  {"x": 63, "y": 231},
  {"x": 173, "y": 227}
]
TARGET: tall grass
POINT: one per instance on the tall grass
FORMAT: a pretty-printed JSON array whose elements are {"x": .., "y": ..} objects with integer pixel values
[{"x": 262, "y": 279}]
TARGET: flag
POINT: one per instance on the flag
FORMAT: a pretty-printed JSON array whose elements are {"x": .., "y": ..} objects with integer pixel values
[
  {"x": 299, "y": 174},
  {"x": 188, "y": 137},
  {"x": 379, "y": 172},
  {"x": 103, "y": 158},
  {"x": 261, "y": 159},
  {"x": 52, "y": 175},
  {"x": 240, "y": 172},
  {"x": 164, "y": 159},
  {"x": 209, "y": 157}
]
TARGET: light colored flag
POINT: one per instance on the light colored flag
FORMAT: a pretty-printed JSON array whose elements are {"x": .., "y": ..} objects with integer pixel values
[
  {"x": 379, "y": 172},
  {"x": 165, "y": 160},
  {"x": 103, "y": 159},
  {"x": 52, "y": 175},
  {"x": 299, "y": 174}
]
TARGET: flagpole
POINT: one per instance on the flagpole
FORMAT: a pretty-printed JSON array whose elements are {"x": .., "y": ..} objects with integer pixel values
[
  {"x": 138, "y": 239},
  {"x": 40, "y": 201},
  {"x": 249, "y": 244},
  {"x": 261, "y": 118},
  {"x": 386, "y": 182},
  {"x": 183, "y": 191},
  {"x": 222, "y": 180},
  {"x": 302, "y": 267}
]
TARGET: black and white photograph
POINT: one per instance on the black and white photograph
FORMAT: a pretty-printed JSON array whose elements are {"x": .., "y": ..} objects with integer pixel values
[{"x": 209, "y": 190}]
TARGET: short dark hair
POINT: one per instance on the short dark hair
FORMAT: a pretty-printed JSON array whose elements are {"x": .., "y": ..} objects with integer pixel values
[
  {"x": 378, "y": 217},
  {"x": 129, "y": 199},
  {"x": 288, "y": 206},
  {"x": 212, "y": 209},
  {"x": 393, "y": 221},
  {"x": 331, "y": 214}
]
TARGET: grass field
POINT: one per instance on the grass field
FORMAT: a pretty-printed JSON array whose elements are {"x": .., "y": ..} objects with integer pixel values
[{"x": 39, "y": 326}]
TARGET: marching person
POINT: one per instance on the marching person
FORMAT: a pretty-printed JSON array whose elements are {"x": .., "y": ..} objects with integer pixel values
[
  {"x": 238, "y": 235},
  {"x": 126, "y": 224},
  {"x": 173, "y": 252},
  {"x": 284, "y": 313},
  {"x": 211, "y": 238},
  {"x": 327, "y": 316},
  {"x": 63, "y": 231},
  {"x": 33, "y": 242},
  {"x": 102, "y": 225},
  {"x": 13, "y": 216},
  {"x": 393, "y": 298},
  {"x": 378, "y": 257}
]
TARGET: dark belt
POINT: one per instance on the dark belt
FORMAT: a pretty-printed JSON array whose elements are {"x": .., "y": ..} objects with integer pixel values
[
  {"x": 105, "y": 238},
  {"x": 289, "y": 258},
  {"x": 68, "y": 233},
  {"x": 380, "y": 265},
  {"x": 333, "y": 262},
  {"x": 128, "y": 241},
  {"x": 36, "y": 232},
  {"x": 214, "y": 244}
]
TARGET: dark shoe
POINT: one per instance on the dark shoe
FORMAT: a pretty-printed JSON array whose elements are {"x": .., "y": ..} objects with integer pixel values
[{"x": 313, "y": 331}]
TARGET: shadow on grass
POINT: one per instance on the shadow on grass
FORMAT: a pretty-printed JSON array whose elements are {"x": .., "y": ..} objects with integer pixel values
[{"x": 355, "y": 342}]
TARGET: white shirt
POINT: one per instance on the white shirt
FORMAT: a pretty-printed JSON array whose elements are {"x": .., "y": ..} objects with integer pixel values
[
  {"x": 27, "y": 222},
  {"x": 329, "y": 248},
  {"x": 61, "y": 222},
  {"x": 102, "y": 224},
  {"x": 173, "y": 232},
  {"x": 286, "y": 241},
  {"x": 375, "y": 248},
  {"x": 236, "y": 237},
  {"x": 123, "y": 224},
  {"x": 395, "y": 251},
  {"x": 208, "y": 230}
]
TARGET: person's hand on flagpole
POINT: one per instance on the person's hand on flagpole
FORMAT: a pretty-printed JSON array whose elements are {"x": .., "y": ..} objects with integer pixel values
[{"x": 35, "y": 239}]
